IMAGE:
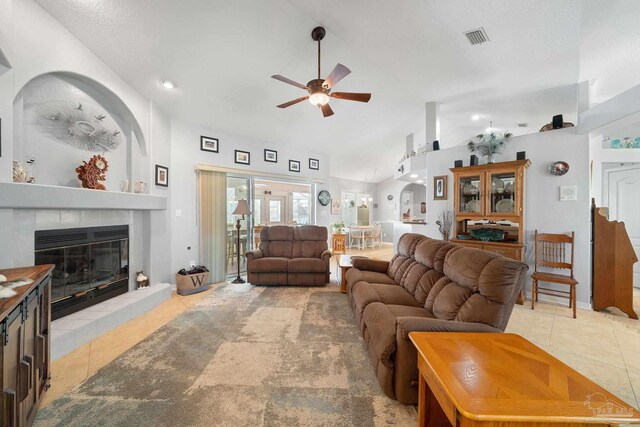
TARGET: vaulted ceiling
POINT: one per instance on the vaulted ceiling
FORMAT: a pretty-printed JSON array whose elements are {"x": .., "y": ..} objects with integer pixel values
[{"x": 222, "y": 53}]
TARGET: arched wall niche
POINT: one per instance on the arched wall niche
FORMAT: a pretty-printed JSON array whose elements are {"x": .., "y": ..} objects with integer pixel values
[
  {"x": 413, "y": 199},
  {"x": 53, "y": 106}
]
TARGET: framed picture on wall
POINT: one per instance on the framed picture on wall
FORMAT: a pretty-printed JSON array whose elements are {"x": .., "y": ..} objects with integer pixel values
[
  {"x": 440, "y": 187},
  {"x": 270, "y": 156},
  {"x": 162, "y": 176},
  {"x": 294, "y": 166},
  {"x": 243, "y": 157},
  {"x": 335, "y": 206},
  {"x": 209, "y": 144},
  {"x": 314, "y": 164}
]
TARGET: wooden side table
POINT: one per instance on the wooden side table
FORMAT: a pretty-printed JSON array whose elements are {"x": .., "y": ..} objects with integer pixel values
[
  {"x": 492, "y": 379},
  {"x": 339, "y": 243},
  {"x": 344, "y": 264}
]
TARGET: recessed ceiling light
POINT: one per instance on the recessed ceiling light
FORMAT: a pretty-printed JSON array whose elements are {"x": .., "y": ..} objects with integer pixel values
[
  {"x": 414, "y": 175},
  {"x": 475, "y": 117},
  {"x": 167, "y": 84},
  {"x": 420, "y": 181},
  {"x": 523, "y": 125}
]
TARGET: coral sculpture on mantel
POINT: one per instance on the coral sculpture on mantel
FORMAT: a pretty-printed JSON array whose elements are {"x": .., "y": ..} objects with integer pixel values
[{"x": 91, "y": 173}]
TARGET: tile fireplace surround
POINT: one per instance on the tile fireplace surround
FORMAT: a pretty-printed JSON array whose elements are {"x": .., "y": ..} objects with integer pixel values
[{"x": 25, "y": 208}]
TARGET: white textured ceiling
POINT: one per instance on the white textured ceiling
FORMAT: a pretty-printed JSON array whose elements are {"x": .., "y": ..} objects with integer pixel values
[{"x": 221, "y": 54}]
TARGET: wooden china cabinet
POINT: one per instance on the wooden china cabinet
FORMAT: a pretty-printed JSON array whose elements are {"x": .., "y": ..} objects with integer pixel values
[{"x": 487, "y": 197}]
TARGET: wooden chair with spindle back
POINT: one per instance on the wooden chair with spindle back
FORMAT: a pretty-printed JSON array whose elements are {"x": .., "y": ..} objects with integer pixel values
[{"x": 551, "y": 252}]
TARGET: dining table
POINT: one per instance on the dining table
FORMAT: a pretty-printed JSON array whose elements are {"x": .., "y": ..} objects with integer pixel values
[{"x": 362, "y": 230}]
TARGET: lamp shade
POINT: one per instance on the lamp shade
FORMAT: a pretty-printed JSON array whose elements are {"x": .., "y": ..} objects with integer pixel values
[{"x": 242, "y": 208}]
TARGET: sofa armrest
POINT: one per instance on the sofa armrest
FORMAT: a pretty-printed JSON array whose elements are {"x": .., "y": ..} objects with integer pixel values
[
  {"x": 326, "y": 255},
  {"x": 254, "y": 254},
  {"x": 370, "y": 265},
  {"x": 404, "y": 325}
]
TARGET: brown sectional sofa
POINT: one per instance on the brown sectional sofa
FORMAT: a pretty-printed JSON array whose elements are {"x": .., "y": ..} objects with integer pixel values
[
  {"x": 297, "y": 256},
  {"x": 429, "y": 285}
]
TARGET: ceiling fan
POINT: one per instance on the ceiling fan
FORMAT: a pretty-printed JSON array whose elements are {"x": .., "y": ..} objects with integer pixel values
[{"x": 319, "y": 89}]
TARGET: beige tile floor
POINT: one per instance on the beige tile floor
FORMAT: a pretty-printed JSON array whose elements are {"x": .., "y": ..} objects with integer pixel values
[{"x": 602, "y": 346}]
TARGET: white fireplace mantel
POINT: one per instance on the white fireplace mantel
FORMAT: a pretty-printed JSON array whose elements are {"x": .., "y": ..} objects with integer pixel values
[{"x": 35, "y": 196}]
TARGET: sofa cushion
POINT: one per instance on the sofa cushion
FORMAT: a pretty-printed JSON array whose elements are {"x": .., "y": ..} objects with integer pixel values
[
  {"x": 276, "y": 241},
  {"x": 309, "y": 241},
  {"x": 269, "y": 265},
  {"x": 306, "y": 265},
  {"x": 477, "y": 286},
  {"x": 375, "y": 277},
  {"x": 365, "y": 293},
  {"x": 425, "y": 284},
  {"x": 412, "y": 276}
]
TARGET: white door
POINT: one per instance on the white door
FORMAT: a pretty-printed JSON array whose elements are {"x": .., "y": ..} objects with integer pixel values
[
  {"x": 276, "y": 210},
  {"x": 624, "y": 205}
]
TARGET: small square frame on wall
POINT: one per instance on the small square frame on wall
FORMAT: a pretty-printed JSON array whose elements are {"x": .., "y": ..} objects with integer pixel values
[
  {"x": 162, "y": 176},
  {"x": 209, "y": 144},
  {"x": 270, "y": 156},
  {"x": 314, "y": 164},
  {"x": 440, "y": 187},
  {"x": 242, "y": 157},
  {"x": 294, "y": 166}
]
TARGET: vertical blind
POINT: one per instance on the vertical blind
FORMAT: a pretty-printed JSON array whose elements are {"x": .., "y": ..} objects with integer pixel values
[{"x": 212, "y": 189}]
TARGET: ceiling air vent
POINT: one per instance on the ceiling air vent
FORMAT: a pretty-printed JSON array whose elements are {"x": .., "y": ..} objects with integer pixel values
[{"x": 477, "y": 36}]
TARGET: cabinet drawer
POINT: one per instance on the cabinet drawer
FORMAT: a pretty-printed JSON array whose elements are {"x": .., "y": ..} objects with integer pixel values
[{"x": 508, "y": 252}]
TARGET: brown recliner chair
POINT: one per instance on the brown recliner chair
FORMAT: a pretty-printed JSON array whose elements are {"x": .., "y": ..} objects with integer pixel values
[
  {"x": 432, "y": 286},
  {"x": 296, "y": 256}
]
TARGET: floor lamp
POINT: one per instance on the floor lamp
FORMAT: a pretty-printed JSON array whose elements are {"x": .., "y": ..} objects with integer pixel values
[{"x": 241, "y": 209}]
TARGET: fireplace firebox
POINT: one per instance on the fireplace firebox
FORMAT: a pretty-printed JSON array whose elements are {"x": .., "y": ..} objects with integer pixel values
[{"x": 91, "y": 265}]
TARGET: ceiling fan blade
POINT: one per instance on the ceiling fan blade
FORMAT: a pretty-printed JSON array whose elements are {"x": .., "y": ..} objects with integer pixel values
[
  {"x": 295, "y": 101},
  {"x": 338, "y": 73},
  {"x": 326, "y": 110},
  {"x": 350, "y": 96},
  {"x": 289, "y": 81}
]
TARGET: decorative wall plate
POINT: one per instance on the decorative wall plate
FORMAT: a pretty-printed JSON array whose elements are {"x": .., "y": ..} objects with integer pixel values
[
  {"x": 324, "y": 197},
  {"x": 559, "y": 168},
  {"x": 473, "y": 206}
]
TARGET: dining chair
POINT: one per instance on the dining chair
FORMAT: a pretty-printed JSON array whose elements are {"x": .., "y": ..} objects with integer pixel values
[
  {"x": 551, "y": 253},
  {"x": 374, "y": 235},
  {"x": 355, "y": 233}
]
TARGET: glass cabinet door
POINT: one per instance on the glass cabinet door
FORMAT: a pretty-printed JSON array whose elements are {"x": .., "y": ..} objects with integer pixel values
[
  {"x": 469, "y": 189},
  {"x": 502, "y": 192}
]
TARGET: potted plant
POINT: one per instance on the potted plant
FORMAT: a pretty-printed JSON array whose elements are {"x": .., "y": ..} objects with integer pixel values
[
  {"x": 338, "y": 227},
  {"x": 488, "y": 144}
]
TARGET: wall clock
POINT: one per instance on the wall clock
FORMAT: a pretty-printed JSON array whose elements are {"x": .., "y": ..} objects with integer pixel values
[
  {"x": 389, "y": 197},
  {"x": 324, "y": 197}
]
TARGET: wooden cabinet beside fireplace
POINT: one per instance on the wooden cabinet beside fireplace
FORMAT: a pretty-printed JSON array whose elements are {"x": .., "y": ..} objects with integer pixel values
[{"x": 25, "y": 323}]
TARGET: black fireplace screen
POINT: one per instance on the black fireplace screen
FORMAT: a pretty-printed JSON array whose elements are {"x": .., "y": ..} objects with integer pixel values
[{"x": 86, "y": 260}]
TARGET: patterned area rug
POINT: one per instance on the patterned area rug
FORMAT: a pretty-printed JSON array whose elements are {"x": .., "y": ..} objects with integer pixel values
[{"x": 243, "y": 356}]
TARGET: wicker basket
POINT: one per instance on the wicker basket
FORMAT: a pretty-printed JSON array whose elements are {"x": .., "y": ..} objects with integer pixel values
[{"x": 192, "y": 283}]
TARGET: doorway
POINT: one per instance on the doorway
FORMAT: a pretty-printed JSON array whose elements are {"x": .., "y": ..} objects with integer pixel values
[
  {"x": 282, "y": 203},
  {"x": 622, "y": 196}
]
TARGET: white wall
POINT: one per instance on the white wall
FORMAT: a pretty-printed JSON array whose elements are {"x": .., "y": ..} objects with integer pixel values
[
  {"x": 388, "y": 210},
  {"x": 339, "y": 185},
  {"x": 609, "y": 44},
  {"x": 543, "y": 209},
  {"x": 38, "y": 44},
  {"x": 186, "y": 153}
]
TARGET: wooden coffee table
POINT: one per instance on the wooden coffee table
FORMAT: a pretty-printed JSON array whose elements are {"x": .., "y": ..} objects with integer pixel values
[
  {"x": 477, "y": 379},
  {"x": 344, "y": 263}
]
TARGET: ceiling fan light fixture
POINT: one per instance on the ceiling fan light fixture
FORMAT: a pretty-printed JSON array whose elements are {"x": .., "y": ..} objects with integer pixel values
[{"x": 318, "y": 98}]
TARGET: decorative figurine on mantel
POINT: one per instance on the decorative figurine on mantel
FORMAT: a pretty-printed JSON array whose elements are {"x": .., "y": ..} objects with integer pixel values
[{"x": 91, "y": 173}]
